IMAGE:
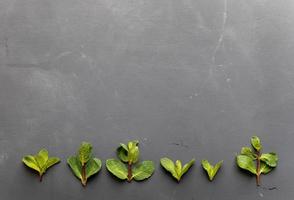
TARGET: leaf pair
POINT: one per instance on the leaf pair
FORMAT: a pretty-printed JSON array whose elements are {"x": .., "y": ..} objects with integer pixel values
[
  {"x": 129, "y": 154},
  {"x": 84, "y": 164},
  {"x": 40, "y": 162},
  {"x": 255, "y": 162},
  {"x": 176, "y": 169},
  {"x": 210, "y": 169}
]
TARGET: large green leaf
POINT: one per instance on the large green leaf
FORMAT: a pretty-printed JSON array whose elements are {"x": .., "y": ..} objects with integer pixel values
[
  {"x": 143, "y": 170},
  {"x": 117, "y": 168},
  {"x": 122, "y": 152},
  {"x": 85, "y": 152},
  {"x": 169, "y": 165},
  {"x": 264, "y": 168},
  {"x": 211, "y": 170},
  {"x": 255, "y": 142},
  {"x": 270, "y": 159},
  {"x": 31, "y": 162},
  {"x": 75, "y": 165},
  {"x": 93, "y": 166},
  {"x": 133, "y": 153},
  {"x": 245, "y": 162}
]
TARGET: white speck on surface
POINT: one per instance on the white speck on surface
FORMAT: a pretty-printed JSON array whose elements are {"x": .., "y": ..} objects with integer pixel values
[
  {"x": 228, "y": 80},
  {"x": 260, "y": 194},
  {"x": 3, "y": 157},
  {"x": 83, "y": 55},
  {"x": 194, "y": 95}
]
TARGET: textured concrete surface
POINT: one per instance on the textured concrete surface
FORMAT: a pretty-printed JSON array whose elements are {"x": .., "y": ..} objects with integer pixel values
[{"x": 188, "y": 78}]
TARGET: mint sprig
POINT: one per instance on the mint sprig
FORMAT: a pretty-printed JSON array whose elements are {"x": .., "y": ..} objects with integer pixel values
[
  {"x": 40, "y": 162},
  {"x": 127, "y": 167},
  {"x": 176, "y": 169},
  {"x": 254, "y": 161},
  {"x": 210, "y": 169},
  {"x": 84, "y": 164}
]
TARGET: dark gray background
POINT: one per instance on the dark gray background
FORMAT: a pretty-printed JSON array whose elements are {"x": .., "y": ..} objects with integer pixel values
[{"x": 188, "y": 78}]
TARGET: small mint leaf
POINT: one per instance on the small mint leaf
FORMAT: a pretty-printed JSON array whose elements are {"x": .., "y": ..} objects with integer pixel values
[
  {"x": 255, "y": 142},
  {"x": 270, "y": 159},
  {"x": 85, "y": 152}
]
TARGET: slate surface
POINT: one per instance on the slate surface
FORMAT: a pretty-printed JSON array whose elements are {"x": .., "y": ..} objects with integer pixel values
[{"x": 188, "y": 78}]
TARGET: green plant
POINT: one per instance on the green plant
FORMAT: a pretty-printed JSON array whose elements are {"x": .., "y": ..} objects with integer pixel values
[
  {"x": 256, "y": 162},
  {"x": 129, "y": 154},
  {"x": 40, "y": 162},
  {"x": 210, "y": 169},
  {"x": 84, "y": 164},
  {"x": 176, "y": 169}
]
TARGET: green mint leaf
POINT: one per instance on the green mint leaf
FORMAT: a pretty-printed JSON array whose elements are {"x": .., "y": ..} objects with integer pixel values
[
  {"x": 143, "y": 170},
  {"x": 246, "y": 163},
  {"x": 52, "y": 161},
  {"x": 211, "y": 170},
  {"x": 248, "y": 152},
  {"x": 168, "y": 165},
  {"x": 31, "y": 162},
  {"x": 257, "y": 163},
  {"x": 133, "y": 153},
  {"x": 255, "y": 142},
  {"x": 93, "y": 166},
  {"x": 85, "y": 152},
  {"x": 75, "y": 165},
  {"x": 40, "y": 162},
  {"x": 41, "y": 159},
  {"x": 270, "y": 159},
  {"x": 176, "y": 169},
  {"x": 84, "y": 165},
  {"x": 187, "y": 166},
  {"x": 129, "y": 154},
  {"x": 122, "y": 152},
  {"x": 117, "y": 168},
  {"x": 125, "y": 147},
  {"x": 264, "y": 168}
]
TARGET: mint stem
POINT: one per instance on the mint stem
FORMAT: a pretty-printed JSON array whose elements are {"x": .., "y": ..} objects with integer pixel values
[
  {"x": 258, "y": 169},
  {"x": 40, "y": 177},
  {"x": 84, "y": 179},
  {"x": 129, "y": 172}
]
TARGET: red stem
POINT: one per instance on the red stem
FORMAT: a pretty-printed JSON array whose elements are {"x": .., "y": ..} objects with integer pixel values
[
  {"x": 40, "y": 177},
  {"x": 258, "y": 169},
  {"x": 84, "y": 179},
  {"x": 129, "y": 172}
]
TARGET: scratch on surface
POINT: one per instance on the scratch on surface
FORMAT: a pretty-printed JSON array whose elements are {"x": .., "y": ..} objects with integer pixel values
[
  {"x": 221, "y": 36},
  {"x": 65, "y": 53},
  {"x": 181, "y": 144},
  {"x": 6, "y": 46}
]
